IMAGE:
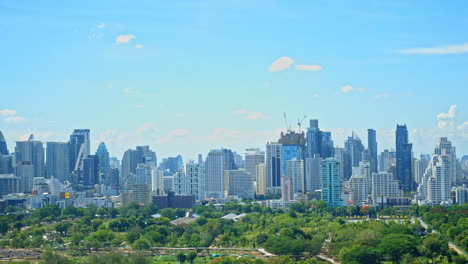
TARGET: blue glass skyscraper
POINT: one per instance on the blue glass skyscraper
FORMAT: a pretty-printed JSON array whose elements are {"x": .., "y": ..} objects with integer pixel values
[{"x": 404, "y": 159}]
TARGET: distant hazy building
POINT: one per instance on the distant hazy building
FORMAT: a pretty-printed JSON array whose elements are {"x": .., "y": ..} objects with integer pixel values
[
  {"x": 313, "y": 173},
  {"x": 171, "y": 165},
  {"x": 352, "y": 154},
  {"x": 104, "y": 161},
  {"x": 143, "y": 174},
  {"x": 274, "y": 167},
  {"x": 157, "y": 181},
  {"x": 79, "y": 148},
  {"x": 9, "y": 183},
  {"x": 141, "y": 193},
  {"x": 3, "y": 145},
  {"x": 318, "y": 142},
  {"x": 239, "y": 183},
  {"x": 295, "y": 171},
  {"x": 25, "y": 172},
  {"x": 404, "y": 159},
  {"x": 419, "y": 167},
  {"x": 57, "y": 162},
  {"x": 113, "y": 179},
  {"x": 33, "y": 151},
  {"x": 372, "y": 146},
  {"x": 91, "y": 171},
  {"x": 6, "y": 160},
  {"x": 341, "y": 157},
  {"x": 461, "y": 195},
  {"x": 217, "y": 162},
  {"x": 386, "y": 160},
  {"x": 260, "y": 179},
  {"x": 253, "y": 157},
  {"x": 130, "y": 161},
  {"x": 331, "y": 183},
  {"x": 287, "y": 189}
]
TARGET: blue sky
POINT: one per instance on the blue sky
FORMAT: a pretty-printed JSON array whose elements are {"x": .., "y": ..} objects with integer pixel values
[{"x": 189, "y": 76}]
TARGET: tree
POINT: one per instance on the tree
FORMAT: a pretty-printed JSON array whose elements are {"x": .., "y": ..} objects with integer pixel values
[
  {"x": 181, "y": 257},
  {"x": 63, "y": 228},
  {"x": 50, "y": 257},
  {"x": 394, "y": 246},
  {"x": 191, "y": 257},
  {"x": 359, "y": 254},
  {"x": 141, "y": 244}
]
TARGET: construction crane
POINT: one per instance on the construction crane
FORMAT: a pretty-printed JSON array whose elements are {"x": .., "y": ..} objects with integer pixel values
[
  {"x": 299, "y": 123},
  {"x": 288, "y": 127}
]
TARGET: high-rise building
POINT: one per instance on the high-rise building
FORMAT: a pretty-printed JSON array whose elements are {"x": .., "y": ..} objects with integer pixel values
[
  {"x": 57, "y": 161},
  {"x": 287, "y": 189},
  {"x": 384, "y": 184},
  {"x": 113, "y": 179},
  {"x": 444, "y": 147},
  {"x": 217, "y": 162},
  {"x": 79, "y": 148},
  {"x": 9, "y": 183},
  {"x": 295, "y": 171},
  {"x": 195, "y": 174},
  {"x": 171, "y": 165},
  {"x": 352, "y": 154},
  {"x": 91, "y": 170},
  {"x": 143, "y": 173},
  {"x": 359, "y": 189},
  {"x": 3, "y": 145},
  {"x": 260, "y": 179},
  {"x": 157, "y": 181},
  {"x": 436, "y": 182},
  {"x": 104, "y": 161},
  {"x": 364, "y": 169},
  {"x": 238, "y": 160},
  {"x": 331, "y": 183},
  {"x": 32, "y": 151},
  {"x": 372, "y": 146},
  {"x": 239, "y": 183},
  {"x": 274, "y": 167},
  {"x": 404, "y": 159},
  {"x": 293, "y": 146},
  {"x": 253, "y": 157},
  {"x": 200, "y": 159},
  {"x": 25, "y": 173},
  {"x": 141, "y": 193},
  {"x": 130, "y": 161},
  {"x": 461, "y": 195},
  {"x": 341, "y": 157},
  {"x": 318, "y": 142},
  {"x": 181, "y": 185},
  {"x": 419, "y": 167},
  {"x": 387, "y": 160},
  {"x": 313, "y": 173}
]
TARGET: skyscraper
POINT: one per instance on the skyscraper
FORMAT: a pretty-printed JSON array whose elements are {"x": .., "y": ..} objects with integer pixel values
[
  {"x": 331, "y": 183},
  {"x": 383, "y": 185},
  {"x": 404, "y": 159},
  {"x": 437, "y": 183},
  {"x": 444, "y": 147},
  {"x": 274, "y": 167},
  {"x": 260, "y": 179},
  {"x": 6, "y": 160},
  {"x": 352, "y": 154},
  {"x": 420, "y": 166},
  {"x": 313, "y": 173},
  {"x": 239, "y": 183},
  {"x": 130, "y": 161},
  {"x": 372, "y": 146},
  {"x": 104, "y": 161},
  {"x": 287, "y": 189},
  {"x": 32, "y": 151},
  {"x": 253, "y": 157},
  {"x": 195, "y": 174},
  {"x": 91, "y": 170},
  {"x": 295, "y": 171},
  {"x": 217, "y": 162},
  {"x": 318, "y": 142},
  {"x": 25, "y": 173},
  {"x": 57, "y": 161},
  {"x": 293, "y": 146},
  {"x": 79, "y": 145},
  {"x": 3, "y": 145}
]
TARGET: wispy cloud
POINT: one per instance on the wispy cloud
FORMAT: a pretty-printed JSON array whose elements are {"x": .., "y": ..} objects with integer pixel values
[
  {"x": 348, "y": 88},
  {"x": 382, "y": 95},
  {"x": 308, "y": 67},
  {"x": 180, "y": 132},
  {"x": 130, "y": 91},
  {"x": 139, "y": 106},
  {"x": 7, "y": 112},
  {"x": 124, "y": 39},
  {"x": 101, "y": 25},
  {"x": 146, "y": 127},
  {"x": 316, "y": 95},
  {"x": 139, "y": 46},
  {"x": 250, "y": 115},
  {"x": 280, "y": 64},
  {"x": 11, "y": 117},
  {"x": 440, "y": 50}
]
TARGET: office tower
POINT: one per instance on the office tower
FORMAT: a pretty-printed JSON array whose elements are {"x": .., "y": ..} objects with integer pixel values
[
  {"x": 314, "y": 139},
  {"x": 293, "y": 146},
  {"x": 104, "y": 161},
  {"x": 287, "y": 189},
  {"x": 157, "y": 181},
  {"x": 114, "y": 163},
  {"x": 461, "y": 195},
  {"x": 195, "y": 174},
  {"x": 253, "y": 157},
  {"x": 384, "y": 184},
  {"x": 217, "y": 161},
  {"x": 295, "y": 171},
  {"x": 352, "y": 154},
  {"x": 91, "y": 170},
  {"x": 168, "y": 182},
  {"x": 327, "y": 145},
  {"x": 200, "y": 159},
  {"x": 57, "y": 161},
  {"x": 141, "y": 193},
  {"x": 171, "y": 165},
  {"x": 3, "y": 145},
  {"x": 274, "y": 167},
  {"x": 180, "y": 183},
  {"x": 79, "y": 148},
  {"x": 331, "y": 182},
  {"x": 130, "y": 161},
  {"x": 436, "y": 182},
  {"x": 364, "y": 169},
  {"x": 238, "y": 160},
  {"x": 147, "y": 156},
  {"x": 359, "y": 189},
  {"x": 340, "y": 156},
  {"x": 313, "y": 174},
  {"x": 372, "y": 146},
  {"x": 32, "y": 151},
  {"x": 419, "y": 167},
  {"x": 260, "y": 179},
  {"x": 113, "y": 179},
  {"x": 25, "y": 172},
  {"x": 239, "y": 183},
  {"x": 387, "y": 160},
  {"x": 9, "y": 183},
  {"x": 404, "y": 159},
  {"x": 445, "y": 148},
  {"x": 143, "y": 174}
]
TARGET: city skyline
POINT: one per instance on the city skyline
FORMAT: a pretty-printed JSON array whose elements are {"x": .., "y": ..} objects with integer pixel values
[{"x": 222, "y": 74}]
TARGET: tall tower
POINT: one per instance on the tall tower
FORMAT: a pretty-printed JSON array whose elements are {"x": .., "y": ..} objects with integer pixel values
[
  {"x": 57, "y": 163},
  {"x": 313, "y": 174},
  {"x": 331, "y": 183},
  {"x": 253, "y": 157},
  {"x": 3, "y": 145},
  {"x": 274, "y": 167},
  {"x": 295, "y": 171},
  {"x": 404, "y": 159},
  {"x": 33, "y": 151},
  {"x": 78, "y": 149},
  {"x": 318, "y": 142},
  {"x": 217, "y": 161},
  {"x": 104, "y": 160},
  {"x": 372, "y": 146},
  {"x": 444, "y": 147},
  {"x": 293, "y": 146}
]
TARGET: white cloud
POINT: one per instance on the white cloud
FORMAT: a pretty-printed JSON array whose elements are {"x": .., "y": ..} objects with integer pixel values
[
  {"x": 382, "y": 95},
  {"x": 101, "y": 25},
  {"x": 180, "y": 132},
  {"x": 7, "y": 112},
  {"x": 316, "y": 95},
  {"x": 123, "y": 39},
  {"x": 180, "y": 115},
  {"x": 146, "y": 127},
  {"x": 448, "y": 49},
  {"x": 139, "y": 106},
  {"x": 346, "y": 88},
  {"x": 250, "y": 115},
  {"x": 308, "y": 67},
  {"x": 447, "y": 120},
  {"x": 280, "y": 64},
  {"x": 130, "y": 91},
  {"x": 139, "y": 46},
  {"x": 14, "y": 119}
]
